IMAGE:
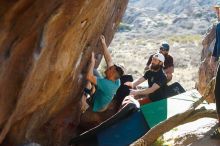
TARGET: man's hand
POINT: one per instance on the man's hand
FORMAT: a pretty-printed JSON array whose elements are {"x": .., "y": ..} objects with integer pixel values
[
  {"x": 169, "y": 73},
  {"x": 212, "y": 63},
  {"x": 130, "y": 84},
  {"x": 133, "y": 92}
]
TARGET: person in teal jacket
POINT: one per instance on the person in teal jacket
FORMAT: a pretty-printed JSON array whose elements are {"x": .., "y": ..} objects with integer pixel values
[{"x": 105, "y": 88}]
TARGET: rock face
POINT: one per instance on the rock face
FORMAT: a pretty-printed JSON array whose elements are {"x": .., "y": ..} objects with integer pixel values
[
  {"x": 45, "y": 48},
  {"x": 196, "y": 133},
  {"x": 205, "y": 72}
]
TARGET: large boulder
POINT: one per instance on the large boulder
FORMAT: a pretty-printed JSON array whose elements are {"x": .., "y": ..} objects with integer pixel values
[
  {"x": 45, "y": 49},
  {"x": 205, "y": 72}
]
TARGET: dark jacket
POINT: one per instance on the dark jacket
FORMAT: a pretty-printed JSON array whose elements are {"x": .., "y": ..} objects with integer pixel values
[{"x": 216, "y": 51}]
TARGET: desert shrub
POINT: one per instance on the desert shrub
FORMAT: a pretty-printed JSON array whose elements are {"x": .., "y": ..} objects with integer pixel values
[
  {"x": 198, "y": 15},
  {"x": 124, "y": 27},
  {"x": 161, "y": 24},
  {"x": 160, "y": 142},
  {"x": 185, "y": 38}
]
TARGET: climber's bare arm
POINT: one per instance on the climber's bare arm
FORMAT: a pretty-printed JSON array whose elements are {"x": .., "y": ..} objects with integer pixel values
[
  {"x": 146, "y": 92},
  {"x": 106, "y": 53},
  {"x": 169, "y": 70},
  {"x": 135, "y": 83},
  {"x": 90, "y": 76}
]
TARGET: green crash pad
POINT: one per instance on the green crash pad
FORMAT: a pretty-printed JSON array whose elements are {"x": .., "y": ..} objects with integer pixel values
[{"x": 155, "y": 112}]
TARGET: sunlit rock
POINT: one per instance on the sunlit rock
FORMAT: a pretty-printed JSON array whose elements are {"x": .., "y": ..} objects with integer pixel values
[
  {"x": 45, "y": 49},
  {"x": 205, "y": 72}
]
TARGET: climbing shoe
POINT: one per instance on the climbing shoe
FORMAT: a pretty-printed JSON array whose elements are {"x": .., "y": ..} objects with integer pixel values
[{"x": 216, "y": 134}]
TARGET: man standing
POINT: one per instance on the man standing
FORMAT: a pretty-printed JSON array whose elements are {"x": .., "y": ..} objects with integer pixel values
[
  {"x": 168, "y": 63},
  {"x": 213, "y": 63},
  {"x": 156, "y": 80}
]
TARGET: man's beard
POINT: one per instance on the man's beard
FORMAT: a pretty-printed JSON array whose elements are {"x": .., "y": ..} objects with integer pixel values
[
  {"x": 155, "y": 66},
  {"x": 164, "y": 54}
]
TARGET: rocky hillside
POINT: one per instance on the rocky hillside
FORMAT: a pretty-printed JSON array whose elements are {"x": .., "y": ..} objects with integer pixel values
[
  {"x": 169, "y": 16},
  {"x": 173, "y": 6}
]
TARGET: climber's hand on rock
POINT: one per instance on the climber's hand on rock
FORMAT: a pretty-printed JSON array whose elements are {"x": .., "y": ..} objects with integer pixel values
[{"x": 102, "y": 38}]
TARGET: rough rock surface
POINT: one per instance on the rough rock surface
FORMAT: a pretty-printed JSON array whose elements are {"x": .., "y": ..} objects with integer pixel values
[
  {"x": 195, "y": 134},
  {"x": 45, "y": 48},
  {"x": 205, "y": 72}
]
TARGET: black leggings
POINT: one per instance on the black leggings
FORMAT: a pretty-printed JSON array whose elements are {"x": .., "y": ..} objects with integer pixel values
[{"x": 217, "y": 92}]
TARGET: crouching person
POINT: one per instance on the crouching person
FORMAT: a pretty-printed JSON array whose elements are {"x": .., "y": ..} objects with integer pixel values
[{"x": 156, "y": 80}]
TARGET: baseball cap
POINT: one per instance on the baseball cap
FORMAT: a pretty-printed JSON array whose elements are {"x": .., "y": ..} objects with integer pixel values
[
  {"x": 159, "y": 56},
  {"x": 165, "y": 46}
]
